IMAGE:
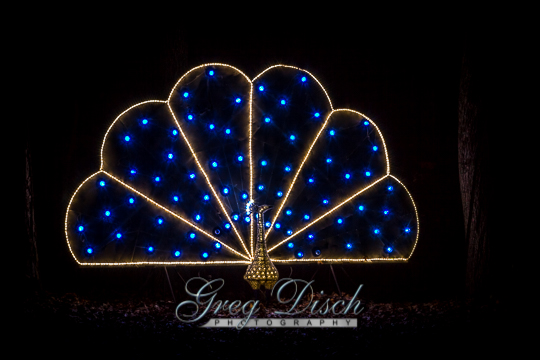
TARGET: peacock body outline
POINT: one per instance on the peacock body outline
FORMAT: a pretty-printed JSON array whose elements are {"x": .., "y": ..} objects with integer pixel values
[{"x": 176, "y": 176}]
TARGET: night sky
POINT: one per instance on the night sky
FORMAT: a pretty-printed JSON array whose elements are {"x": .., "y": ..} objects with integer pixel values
[{"x": 406, "y": 80}]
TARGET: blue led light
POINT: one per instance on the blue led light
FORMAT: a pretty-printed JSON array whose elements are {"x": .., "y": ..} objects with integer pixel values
[
  {"x": 157, "y": 179},
  {"x": 206, "y": 197},
  {"x": 366, "y": 123},
  {"x": 127, "y": 138},
  {"x": 247, "y": 219},
  {"x": 175, "y": 132},
  {"x": 310, "y": 236},
  {"x": 133, "y": 171},
  {"x": 361, "y": 207},
  {"x": 317, "y": 114},
  {"x": 107, "y": 213},
  {"x": 303, "y": 79},
  {"x": 288, "y": 168},
  {"x": 170, "y": 156},
  {"x": 347, "y": 176},
  {"x": 238, "y": 100},
  {"x": 192, "y": 175},
  {"x": 244, "y": 196},
  {"x": 306, "y": 217},
  {"x": 279, "y": 194},
  {"x": 328, "y": 160},
  {"x": 190, "y": 117},
  {"x": 118, "y": 235},
  {"x": 89, "y": 250},
  {"x": 376, "y": 231},
  {"x": 389, "y": 249},
  {"x": 235, "y": 217},
  {"x": 228, "y": 131},
  {"x": 267, "y": 224},
  {"x": 217, "y": 245},
  {"x": 197, "y": 217},
  {"x": 225, "y": 191},
  {"x": 175, "y": 198},
  {"x": 325, "y": 201},
  {"x": 205, "y": 255},
  {"x": 385, "y": 212},
  {"x": 292, "y": 137},
  {"x": 311, "y": 180},
  {"x": 264, "y": 162},
  {"x": 102, "y": 183},
  {"x": 159, "y": 220},
  {"x": 260, "y": 187},
  {"x": 186, "y": 94},
  {"x": 214, "y": 164},
  {"x": 277, "y": 225},
  {"x": 349, "y": 246},
  {"x": 375, "y": 148},
  {"x": 227, "y": 226},
  {"x": 316, "y": 252},
  {"x": 144, "y": 121},
  {"x": 240, "y": 158},
  {"x": 211, "y": 126},
  {"x": 339, "y": 221},
  {"x": 131, "y": 200},
  {"x": 211, "y": 73},
  {"x": 407, "y": 230},
  {"x": 150, "y": 249},
  {"x": 368, "y": 173},
  {"x": 332, "y": 132},
  {"x": 390, "y": 188},
  {"x": 283, "y": 102},
  {"x": 261, "y": 88},
  {"x": 80, "y": 228},
  {"x": 192, "y": 235},
  {"x": 288, "y": 212},
  {"x": 290, "y": 245},
  {"x": 177, "y": 253},
  {"x": 289, "y": 232}
]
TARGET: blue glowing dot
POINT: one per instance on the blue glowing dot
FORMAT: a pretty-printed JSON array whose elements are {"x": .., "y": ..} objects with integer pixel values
[
  {"x": 349, "y": 246},
  {"x": 283, "y": 102},
  {"x": 238, "y": 100},
  {"x": 389, "y": 249},
  {"x": 310, "y": 236},
  {"x": 214, "y": 164},
  {"x": 267, "y": 224},
  {"x": 385, "y": 212},
  {"x": 311, "y": 180},
  {"x": 81, "y": 228},
  {"x": 277, "y": 225},
  {"x": 186, "y": 94},
  {"x": 375, "y": 148},
  {"x": 170, "y": 156},
  {"x": 127, "y": 138},
  {"x": 157, "y": 179},
  {"x": 247, "y": 219},
  {"x": 361, "y": 207},
  {"x": 131, "y": 200},
  {"x": 317, "y": 252},
  {"x": 366, "y": 123},
  {"x": 303, "y": 79},
  {"x": 211, "y": 126},
  {"x": 144, "y": 121},
  {"x": 261, "y": 88},
  {"x": 175, "y": 132},
  {"x": 192, "y": 235},
  {"x": 177, "y": 253},
  {"x": 347, "y": 176},
  {"x": 217, "y": 245},
  {"x": 306, "y": 217},
  {"x": 159, "y": 221},
  {"x": 240, "y": 158},
  {"x": 228, "y": 131},
  {"x": 289, "y": 232},
  {"x": 206, "y": 197},
  {"x": 133, "y": 171},
  {"x": 290, "y": 245},
  {"x": 175, "y": 198},
  {"x": 197, "y": 217},
  {"x": 288, "y": 168},
  {"x": 368, "y": 173},
  {"x": 267, "y": 119},
  {"x": 89, "y": 250},
  {"x": 376, "y": 231},
  {"x": 205, "y": 255},
  {"x": 264, "y": 162},
  {"x": 225, "y": 191},
  {"x": 192, "y": 175},
  {"x": 102, "y": 183},
  {"x": 190, "y": 117},
  {"x": 390, "y": 188},
  {"x": 279, "y": 194},
  {"x": 325, "y": 201},
  {"x": 317, "y": 114},
  {"x": 211, "y": 73},
  {"x": 328, "y": 160},
  {"x": 288, "y": 212},
  {"x": 292, "y": 137},
  {"x": 235, "y": 217},
  {"x": 150, "y": 249},
  {"x": 118, "y": 235},
  {"x": 227, "y": 226},
  {"x": 407, "y": 230},
  {"x": 332, "y": 132},
  {"x": 245, "y": 195},
  {"x": 260, "y": 187},
  {"x": 107, "y": 213},
  {"x": 339, "y": 221}
]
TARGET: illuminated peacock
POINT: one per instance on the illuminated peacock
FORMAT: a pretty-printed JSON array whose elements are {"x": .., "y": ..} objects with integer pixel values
[{"x": 239, "y": 171}]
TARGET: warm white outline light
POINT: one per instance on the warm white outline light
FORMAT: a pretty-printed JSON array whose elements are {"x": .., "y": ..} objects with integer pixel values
[{"x": 249, "y": 253}]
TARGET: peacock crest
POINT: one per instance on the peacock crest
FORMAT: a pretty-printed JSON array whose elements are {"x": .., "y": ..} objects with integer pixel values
[{"x": 182, "y": 180}]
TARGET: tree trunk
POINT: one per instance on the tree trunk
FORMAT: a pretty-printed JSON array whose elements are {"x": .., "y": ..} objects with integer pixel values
[{"x": 473, "y": 162}]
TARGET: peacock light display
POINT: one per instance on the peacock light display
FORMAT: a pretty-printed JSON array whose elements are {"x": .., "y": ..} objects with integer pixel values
[{"x": 240, "y": 171}]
